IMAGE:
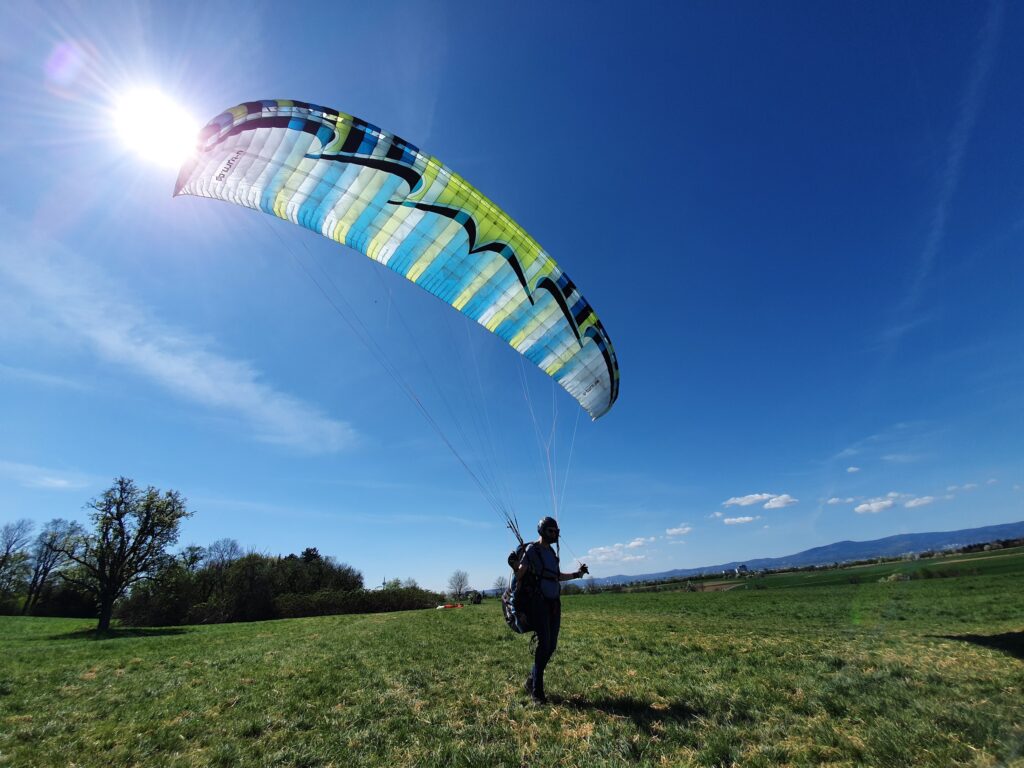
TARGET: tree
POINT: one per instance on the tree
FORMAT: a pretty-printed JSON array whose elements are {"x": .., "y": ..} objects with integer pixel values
[
  {"x": 222, "y": 552},
  {"x": 14, "y": 538},
  {"x": 500, "y": 585},
  {"x": 133, "y": 529},
  {"x": 48, "y": 557},
  {"x": 458, "y": 583},
  {"x": 192, "y": 558}
]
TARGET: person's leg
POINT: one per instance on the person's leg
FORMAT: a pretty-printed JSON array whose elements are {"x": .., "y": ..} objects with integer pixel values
[
  {"x": 553, "y": 614},
  {"x": 541, "y": 620}
]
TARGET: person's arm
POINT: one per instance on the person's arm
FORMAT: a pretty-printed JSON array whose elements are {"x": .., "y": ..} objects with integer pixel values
[{"x": 570, "y": 576}]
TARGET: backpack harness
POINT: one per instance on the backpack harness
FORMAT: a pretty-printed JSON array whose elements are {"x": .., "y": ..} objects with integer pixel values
[{"x": 521, "y": 591}]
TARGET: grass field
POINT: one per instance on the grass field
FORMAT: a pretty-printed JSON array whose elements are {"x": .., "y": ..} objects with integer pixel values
[{"x": 793, "y": 669}]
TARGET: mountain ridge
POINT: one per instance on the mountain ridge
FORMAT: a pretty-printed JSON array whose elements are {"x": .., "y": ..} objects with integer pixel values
[{"x": 844, "y": 551}]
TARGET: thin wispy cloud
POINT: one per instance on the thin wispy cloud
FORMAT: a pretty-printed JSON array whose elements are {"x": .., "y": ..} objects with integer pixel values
[
  {"x": 851, "y": 470},
  {"x": 32, "y": 476},
  {"x": 959, "y": 137},
  {"x": 902, "y": 458},
  {"x": 39, "y": 378},
  {"x": 81, "y": 305},
  {"x": 837, "y": 500},
  {"x": 741, "y": 520},
  {"x": 780, "y": 501}
]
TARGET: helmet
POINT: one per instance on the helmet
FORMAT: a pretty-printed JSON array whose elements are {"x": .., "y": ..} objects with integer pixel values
[{"x": 547, "y": 522}]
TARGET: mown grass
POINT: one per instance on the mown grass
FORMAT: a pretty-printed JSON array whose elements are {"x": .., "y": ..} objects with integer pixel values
[{"x": 925, "y": 672}]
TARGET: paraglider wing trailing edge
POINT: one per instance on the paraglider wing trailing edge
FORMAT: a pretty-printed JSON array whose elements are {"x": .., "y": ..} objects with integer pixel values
[{"x": 375, "y": 192}]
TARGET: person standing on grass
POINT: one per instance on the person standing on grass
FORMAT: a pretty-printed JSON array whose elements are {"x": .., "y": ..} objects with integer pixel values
[{"x": 545, "y": 607}]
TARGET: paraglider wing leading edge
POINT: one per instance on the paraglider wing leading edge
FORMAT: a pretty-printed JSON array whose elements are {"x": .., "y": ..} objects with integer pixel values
[{"x": 368, "y": 189}]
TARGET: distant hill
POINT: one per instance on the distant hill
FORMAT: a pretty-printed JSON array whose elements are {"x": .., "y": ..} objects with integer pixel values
[{"x": 846, "y": 551}]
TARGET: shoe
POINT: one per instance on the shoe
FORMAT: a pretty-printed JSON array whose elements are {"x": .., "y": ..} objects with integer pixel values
[{"x": 538, "y": 697}]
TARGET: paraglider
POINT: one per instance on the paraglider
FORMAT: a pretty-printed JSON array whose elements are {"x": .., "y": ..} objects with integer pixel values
[{"x": 375, "y": 192}]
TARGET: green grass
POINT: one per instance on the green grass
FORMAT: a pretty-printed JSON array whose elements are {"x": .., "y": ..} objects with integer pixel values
[{"x": 925, "y": 672}]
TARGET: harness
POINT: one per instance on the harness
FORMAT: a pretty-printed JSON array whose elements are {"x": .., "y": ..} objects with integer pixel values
[{"x": 522, "y": 591}]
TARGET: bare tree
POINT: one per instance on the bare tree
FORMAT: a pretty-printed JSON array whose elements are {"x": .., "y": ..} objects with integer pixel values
[
  {"x": 222, "y": 552},
  {"x": 500, "y": 584},
  {"x": 48, "y": 557},
  {"x": 458, "y": 583},
  {"x": 133, "y": 530},
  {"x": 14, "y": 538}
]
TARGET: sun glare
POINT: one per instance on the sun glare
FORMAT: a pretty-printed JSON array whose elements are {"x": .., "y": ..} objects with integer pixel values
[{"x": 154, "y": 127}]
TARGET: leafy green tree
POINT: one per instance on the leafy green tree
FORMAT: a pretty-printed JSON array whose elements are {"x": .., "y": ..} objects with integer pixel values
[
  {"x": 192, "y": 557},
  {"x": 132, "y": 531}
]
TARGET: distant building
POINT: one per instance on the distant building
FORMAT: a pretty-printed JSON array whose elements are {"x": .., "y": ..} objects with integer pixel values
[{"x": 742, "y": 570}]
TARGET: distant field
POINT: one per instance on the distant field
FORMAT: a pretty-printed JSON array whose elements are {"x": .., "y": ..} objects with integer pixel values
[{"x": 792, "y": 669}]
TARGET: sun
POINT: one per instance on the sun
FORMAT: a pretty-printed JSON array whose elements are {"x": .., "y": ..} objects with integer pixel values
[{"x": 155, "y": 127}]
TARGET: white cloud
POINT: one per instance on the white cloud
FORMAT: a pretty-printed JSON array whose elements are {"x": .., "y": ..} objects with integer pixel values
[
  {"x": 968, "y": 486},
  {"x": 772, "y": 500},
  {"x": 837, "y": 500},
  {"x": 851, "y": 470},
  {"x": 952, "y": 487},
  {"x": 31, "y": 476},
  {"x": 682, "y": 530},
  {"x": 991, "y": 481},
  {"x": 873, "y": 506},
  {"x": 85, "y": 309},
  {"x": 740, "y": 520},
  {"x": 639, "y": 542},
  {"x": 716, "y": 514},
  {"x": 920, "y": 501},
  {"x": 746, "y": 501},
  {"x": 617, "y": 553}
]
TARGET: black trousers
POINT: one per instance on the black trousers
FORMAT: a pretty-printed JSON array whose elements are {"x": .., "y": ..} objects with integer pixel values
[{"x": 546, "y": 618}]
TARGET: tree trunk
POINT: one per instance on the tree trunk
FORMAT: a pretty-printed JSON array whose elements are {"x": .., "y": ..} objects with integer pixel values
[{"x": 106, "y": 609}]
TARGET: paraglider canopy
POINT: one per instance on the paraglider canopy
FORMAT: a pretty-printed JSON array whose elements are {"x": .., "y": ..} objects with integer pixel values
[{"x": 375, "y": 192}]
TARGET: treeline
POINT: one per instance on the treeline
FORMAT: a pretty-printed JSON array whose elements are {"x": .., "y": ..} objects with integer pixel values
[
  {"x": 221, "y": 584},
  {"x": 122, "y": 567}
]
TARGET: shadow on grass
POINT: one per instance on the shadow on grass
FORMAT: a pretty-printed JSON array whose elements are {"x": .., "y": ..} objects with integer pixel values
[
  {"x": 1008, "y": 642},
  {"x": 643, "y": 713},
  {"x": 114, "y": 634}
]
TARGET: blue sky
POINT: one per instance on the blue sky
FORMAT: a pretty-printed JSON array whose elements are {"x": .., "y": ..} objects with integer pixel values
[{"x": 801, "y": 224}]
